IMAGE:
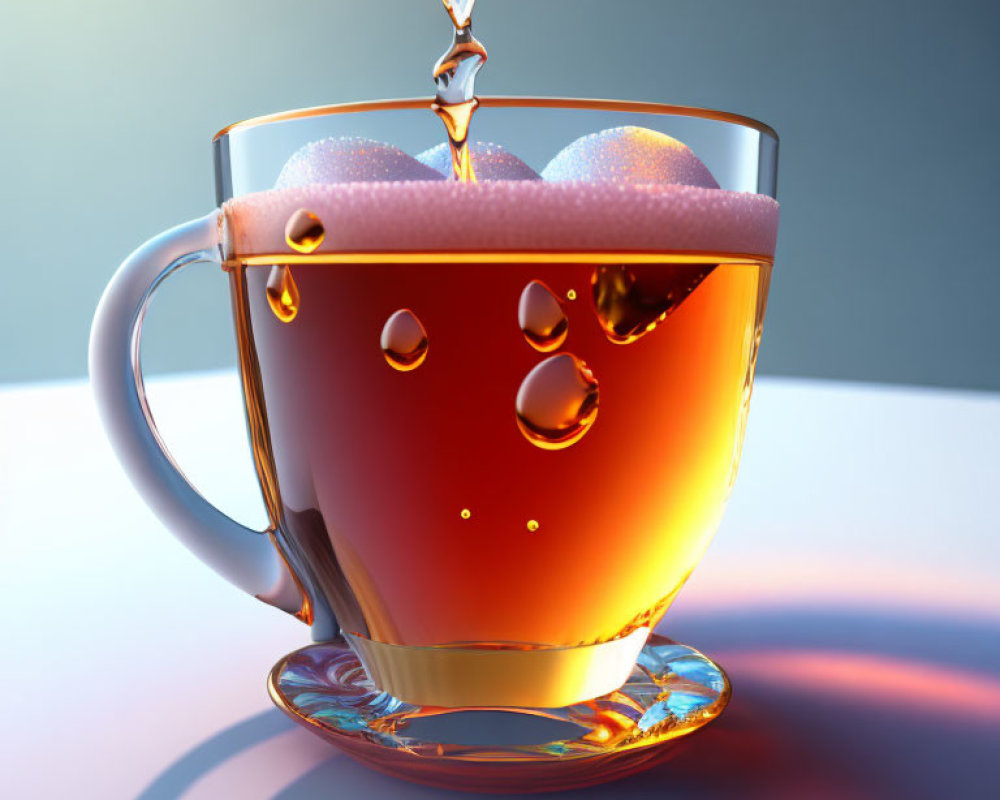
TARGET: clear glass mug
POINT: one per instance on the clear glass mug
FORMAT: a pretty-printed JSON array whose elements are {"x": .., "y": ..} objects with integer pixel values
[{"x": 493, "y": 435}]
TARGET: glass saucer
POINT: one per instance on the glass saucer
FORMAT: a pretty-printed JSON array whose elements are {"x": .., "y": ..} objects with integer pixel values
[{"x": 673, "y": 690}]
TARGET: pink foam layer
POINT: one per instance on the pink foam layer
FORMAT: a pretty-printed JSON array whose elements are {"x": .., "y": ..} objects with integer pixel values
[{"x": 510, "y": 215}]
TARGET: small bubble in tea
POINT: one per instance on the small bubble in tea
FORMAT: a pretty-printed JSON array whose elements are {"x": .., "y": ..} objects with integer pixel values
[
  {"x": 571, "y": 294},
  {"x": 532, "y": 525},
  {"x": 304, "y": 232},
  {"x": 282, "y": 293},
  {"x": 541, "y": 317},
  {"x": 557, "y": 402},
  {"x": 465, "y": 513},
  {"x": 404, "y": 341}
]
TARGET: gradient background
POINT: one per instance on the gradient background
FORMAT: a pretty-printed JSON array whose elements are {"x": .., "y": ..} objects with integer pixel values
[{"x": 887, "y": 113}]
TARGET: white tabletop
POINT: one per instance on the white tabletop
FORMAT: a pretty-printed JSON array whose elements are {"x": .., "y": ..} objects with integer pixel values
[{"x": 852, "y": 592}]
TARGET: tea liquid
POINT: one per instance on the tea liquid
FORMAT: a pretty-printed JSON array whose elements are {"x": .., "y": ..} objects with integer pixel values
[{"x": 439, "y": 495}]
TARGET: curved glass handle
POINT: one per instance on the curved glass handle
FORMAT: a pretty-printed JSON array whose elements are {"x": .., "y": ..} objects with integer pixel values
[{"x": 243, "y": 556}]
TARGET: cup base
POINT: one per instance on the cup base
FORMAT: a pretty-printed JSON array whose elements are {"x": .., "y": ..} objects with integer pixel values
[
  {"x": 460, "y": 676},
  {"x": 673, "y": 690}
]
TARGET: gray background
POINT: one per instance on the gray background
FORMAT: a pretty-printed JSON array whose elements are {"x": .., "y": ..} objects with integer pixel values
[{"x": 888, "y": 115}]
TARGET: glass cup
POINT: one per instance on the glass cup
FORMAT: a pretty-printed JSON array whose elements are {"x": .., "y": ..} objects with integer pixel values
[{"x": 495, "y": 425}]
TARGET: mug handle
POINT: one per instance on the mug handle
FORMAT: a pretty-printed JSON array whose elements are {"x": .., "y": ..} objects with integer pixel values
[{"x": 245, "y": 557}]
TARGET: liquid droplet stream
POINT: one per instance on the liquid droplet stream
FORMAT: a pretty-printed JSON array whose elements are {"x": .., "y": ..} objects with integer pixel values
[
  {"x": 455, "y": 76},
  {"x": 460, "y": 11}
]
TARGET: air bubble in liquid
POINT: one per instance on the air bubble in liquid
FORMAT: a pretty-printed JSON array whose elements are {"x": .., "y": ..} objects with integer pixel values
[
  {"x": 282, "y": 293},
  {"x": 541, "y": 317},
  {"x": 404, "y": 341},
  {"x": 304, "y": 232},
  {"x": 557, "y": 402}
]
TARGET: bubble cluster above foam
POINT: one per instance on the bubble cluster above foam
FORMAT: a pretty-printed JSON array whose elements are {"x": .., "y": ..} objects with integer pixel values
[
  {"x": 490, "y": 162},
  {"x": 623, "y": 189},
  {"x": 629, "y": 155},
  {"x": 349, "y": 160}
]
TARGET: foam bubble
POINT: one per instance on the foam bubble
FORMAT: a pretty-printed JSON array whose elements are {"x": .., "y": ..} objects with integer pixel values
[
  {"x": 490, "y": 162},
  {"x": 350, "y": 159},
  {"x": 629, "y": 155}
]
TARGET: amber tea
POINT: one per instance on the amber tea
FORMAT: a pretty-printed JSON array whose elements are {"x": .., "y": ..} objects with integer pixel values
[
  {"x": 527, "y": 448},
  {"x": 476, "y": 484}
]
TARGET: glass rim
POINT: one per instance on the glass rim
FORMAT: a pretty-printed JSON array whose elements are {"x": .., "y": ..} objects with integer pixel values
[{"x": 632, "y": 106}]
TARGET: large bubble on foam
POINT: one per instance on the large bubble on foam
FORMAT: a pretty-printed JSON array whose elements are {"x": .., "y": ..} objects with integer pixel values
[
  {"x": 490, "y": 162},
  {"x": 629, "y": 155},
  {"x": 351, "y": 159}
]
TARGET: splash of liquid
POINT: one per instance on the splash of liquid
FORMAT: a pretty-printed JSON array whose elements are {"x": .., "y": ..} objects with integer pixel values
[
  {"x": 557, "y": 402},
  {"x": 455, "y": 77},
  {"x": 541, "y": 317},
  {"x": 404, "y": 341},
  {"x": 304, "y": 232},
  {"x": 630, "y": 304},
  {"x": 282, "y": 293}
]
